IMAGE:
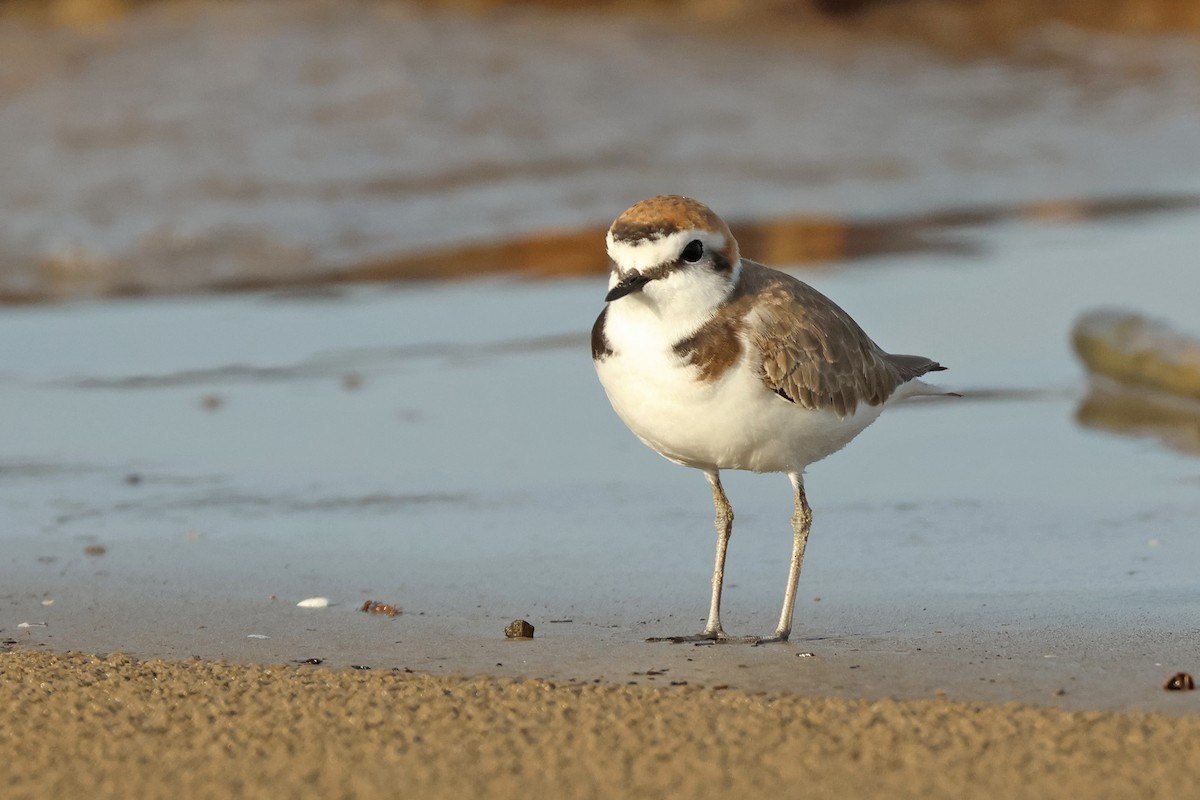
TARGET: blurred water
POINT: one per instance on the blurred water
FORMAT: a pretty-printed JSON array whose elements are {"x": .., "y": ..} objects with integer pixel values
[{"x": 185, "y": 146}]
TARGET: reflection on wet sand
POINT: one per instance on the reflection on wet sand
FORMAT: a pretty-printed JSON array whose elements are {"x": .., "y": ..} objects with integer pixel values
[
  {"x": 795, "y": 240},
  {"x": 801, "y": 240},
  {"x": 1145, "y": 378},
  {"x": 1173, "y": 421}
]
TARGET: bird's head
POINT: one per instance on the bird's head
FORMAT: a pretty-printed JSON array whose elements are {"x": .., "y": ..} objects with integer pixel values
[{"x": 672, "y": 253}]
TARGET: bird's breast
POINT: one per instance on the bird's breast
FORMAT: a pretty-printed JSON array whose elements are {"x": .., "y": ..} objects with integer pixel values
[{"x": 704, "y": 404}]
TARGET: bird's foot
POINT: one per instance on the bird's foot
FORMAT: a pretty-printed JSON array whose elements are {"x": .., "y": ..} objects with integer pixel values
[{"x": 778, "y": 638}]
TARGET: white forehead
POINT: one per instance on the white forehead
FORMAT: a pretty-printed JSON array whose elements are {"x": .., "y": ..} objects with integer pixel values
[{"x": 643, "y": 254}]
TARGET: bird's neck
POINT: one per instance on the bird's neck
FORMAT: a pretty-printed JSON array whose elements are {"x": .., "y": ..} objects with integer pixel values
[{"x": 671, "y": 309}]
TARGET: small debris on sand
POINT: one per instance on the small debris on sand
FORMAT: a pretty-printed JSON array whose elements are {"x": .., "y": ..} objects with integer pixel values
[
  {"x": 518, "y": 629},
  {"x": 1180, "y": 682},
  {"x": 257, "y": 636},
  {"x": 314, "y": 602},
  {"x": 375, "y": 607},
  {"x": 95, "y": 550},
  {"x": 313, "y": 661}
]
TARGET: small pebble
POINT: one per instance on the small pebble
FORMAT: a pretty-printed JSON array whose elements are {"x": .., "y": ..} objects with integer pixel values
[
  {"x": 314, "y": 602},
  {"x": 1180, "y": 682},
  {"x": 375, "y": 607},
  {"x": 518, "y": 629}
]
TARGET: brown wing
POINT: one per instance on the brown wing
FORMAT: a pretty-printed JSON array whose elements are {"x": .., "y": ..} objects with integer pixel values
[{"x": 812, "y": 352}]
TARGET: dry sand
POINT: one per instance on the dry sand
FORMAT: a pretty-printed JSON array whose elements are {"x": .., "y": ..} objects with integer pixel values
[{"x": 77, "y": 725}]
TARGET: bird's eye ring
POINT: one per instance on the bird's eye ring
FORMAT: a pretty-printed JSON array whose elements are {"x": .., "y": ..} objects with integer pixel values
[{"x": 693, "y": 252}]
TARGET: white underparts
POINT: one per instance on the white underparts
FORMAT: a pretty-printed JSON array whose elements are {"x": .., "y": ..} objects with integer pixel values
[{"x": 734, "y": 422}]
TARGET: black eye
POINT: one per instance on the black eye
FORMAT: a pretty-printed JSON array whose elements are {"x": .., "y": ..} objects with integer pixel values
[{"x": 693, "y": 251}]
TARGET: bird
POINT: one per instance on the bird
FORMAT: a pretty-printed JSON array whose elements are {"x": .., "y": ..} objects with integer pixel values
[{"x": 717, "y": 363}]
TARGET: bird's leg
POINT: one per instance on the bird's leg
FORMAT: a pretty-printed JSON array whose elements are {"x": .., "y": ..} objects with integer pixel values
[
  {"x": 801, "y": 525},
  {"x": 724, "y": 524}
]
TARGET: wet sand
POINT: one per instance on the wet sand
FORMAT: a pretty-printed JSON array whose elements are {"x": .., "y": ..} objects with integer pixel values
[
  {"x": 993, "y": 550},
  {"x": 79, "y": 725}
]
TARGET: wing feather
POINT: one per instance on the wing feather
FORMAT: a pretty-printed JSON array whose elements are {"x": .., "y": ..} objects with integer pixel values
[{"x": 812, "y": 352}]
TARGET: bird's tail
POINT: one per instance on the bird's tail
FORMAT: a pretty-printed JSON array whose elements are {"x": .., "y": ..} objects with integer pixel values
[{"x": 919, "y": 388}]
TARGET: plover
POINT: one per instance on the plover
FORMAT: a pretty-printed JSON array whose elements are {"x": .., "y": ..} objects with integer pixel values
[{"x": 717, "y": 362}]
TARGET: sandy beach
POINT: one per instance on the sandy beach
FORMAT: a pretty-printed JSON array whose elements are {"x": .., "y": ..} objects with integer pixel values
[{"x": 77, "y": 725}]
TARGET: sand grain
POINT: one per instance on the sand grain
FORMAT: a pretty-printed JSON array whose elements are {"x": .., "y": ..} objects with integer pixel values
[{"x": 77, "y": 725}]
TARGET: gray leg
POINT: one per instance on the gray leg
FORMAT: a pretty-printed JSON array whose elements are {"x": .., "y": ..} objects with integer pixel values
[
  {"x": 801, "y": 525},
  {"x": 724, "y": 525}
]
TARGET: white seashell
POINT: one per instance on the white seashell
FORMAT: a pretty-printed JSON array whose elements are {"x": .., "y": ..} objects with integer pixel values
[
  {"x": 314, "y": 602},
  {"x": 257, "y": 636}
]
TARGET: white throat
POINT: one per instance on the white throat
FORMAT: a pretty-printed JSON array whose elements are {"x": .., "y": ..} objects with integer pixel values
[{"x": 673, "y": 307}]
